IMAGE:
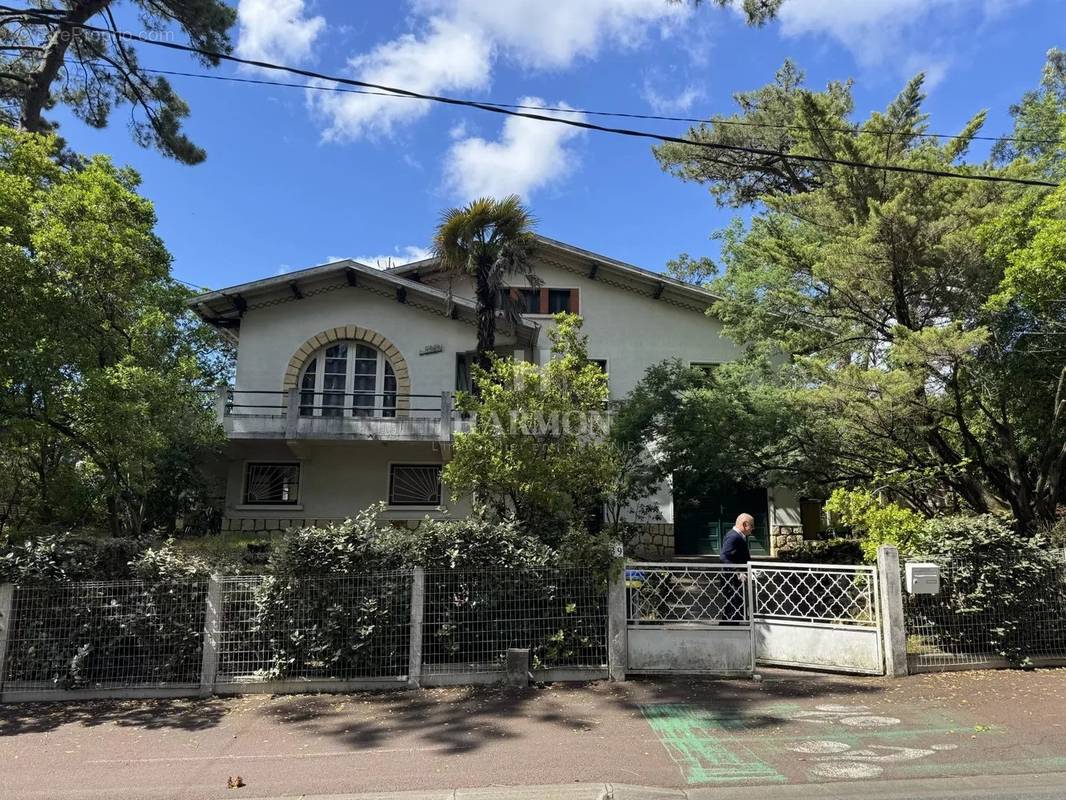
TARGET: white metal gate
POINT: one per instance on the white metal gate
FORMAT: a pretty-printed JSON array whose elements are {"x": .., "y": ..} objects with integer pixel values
[
  {"x": 820, "y": 616},
  {"x": 688, "y": 618}
]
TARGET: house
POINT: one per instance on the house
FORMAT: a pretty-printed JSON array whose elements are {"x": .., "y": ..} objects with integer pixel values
[{"x": 346, "y": 373}]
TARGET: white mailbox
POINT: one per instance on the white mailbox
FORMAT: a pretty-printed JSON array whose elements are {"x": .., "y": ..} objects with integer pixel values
[{"x": 923, "y": 578}]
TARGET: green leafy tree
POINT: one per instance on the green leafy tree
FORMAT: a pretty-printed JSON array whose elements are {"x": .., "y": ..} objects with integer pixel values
[
  {"x": 711, "y": 430},
  {"x": 490, "y": 241},
  {"x": 878, "y": 522},
  {"x": 872, "y": 289},
  {"x": 101, "y": 366},
  {"x": 538, "y": 448},
  {"x": 46, "y": 59}
]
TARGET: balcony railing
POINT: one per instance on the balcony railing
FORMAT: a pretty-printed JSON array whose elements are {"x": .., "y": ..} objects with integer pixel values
[{"x": 298, "y": 414}]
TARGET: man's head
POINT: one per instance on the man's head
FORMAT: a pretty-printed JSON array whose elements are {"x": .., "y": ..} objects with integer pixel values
[{"x": 745, "y": 524}]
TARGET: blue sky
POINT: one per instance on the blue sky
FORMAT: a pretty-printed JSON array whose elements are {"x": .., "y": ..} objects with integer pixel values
[{"x": 294, "y": 178}]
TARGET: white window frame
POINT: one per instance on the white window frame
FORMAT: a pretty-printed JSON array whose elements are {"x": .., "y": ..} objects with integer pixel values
[
  {"x": 244, "y": 505},
  {"x": 318, "y": 358},
  {"x": 419, "y": 508}
]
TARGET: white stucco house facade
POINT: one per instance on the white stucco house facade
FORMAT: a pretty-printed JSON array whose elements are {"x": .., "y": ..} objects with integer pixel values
[{"x": 345, "y": 377}]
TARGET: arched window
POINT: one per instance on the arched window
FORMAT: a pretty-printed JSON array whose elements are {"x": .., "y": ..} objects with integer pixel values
[{"x": 348, "y": 379}]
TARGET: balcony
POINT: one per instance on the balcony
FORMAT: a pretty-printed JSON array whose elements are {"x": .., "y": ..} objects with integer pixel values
[{"x": 357, "y": 416}]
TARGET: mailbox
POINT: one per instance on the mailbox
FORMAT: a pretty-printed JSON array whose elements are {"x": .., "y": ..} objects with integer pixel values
[{"x": 923, "y": 578}]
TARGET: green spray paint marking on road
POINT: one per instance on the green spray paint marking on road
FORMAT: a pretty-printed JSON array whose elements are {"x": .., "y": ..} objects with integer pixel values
[{"x": 688, "y": 734}]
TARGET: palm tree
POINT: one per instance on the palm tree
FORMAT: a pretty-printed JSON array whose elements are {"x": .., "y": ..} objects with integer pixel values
[{"x": 491, "y": 241}]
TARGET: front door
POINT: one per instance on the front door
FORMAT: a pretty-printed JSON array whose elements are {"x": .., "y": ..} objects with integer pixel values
[{"x": 701, "y": 523}]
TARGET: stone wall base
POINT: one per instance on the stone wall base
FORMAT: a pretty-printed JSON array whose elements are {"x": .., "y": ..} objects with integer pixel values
[
  {"x": 272, "y": 525},
  {"x": 654, "y": 543},
  {"x": 784, "y": 538}
]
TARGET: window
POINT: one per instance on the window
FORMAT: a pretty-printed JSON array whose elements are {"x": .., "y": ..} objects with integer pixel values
[
  {"x": 348, "y": 379},
  {"x": 414, "y": 485},
  {"x": 602, "y": 364},
  {"x": 545, "y": 300},
  {"x": 706, "y": 367},
  {"x": 558, "y": 300},
  {"x": 272, "y": 484}
]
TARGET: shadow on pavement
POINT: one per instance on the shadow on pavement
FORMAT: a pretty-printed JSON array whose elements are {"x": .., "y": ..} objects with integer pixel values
[
  {"x": 464, "y": 719},
  {"x": 454, "y": 719},
  {"x": 178, "y": 714}
]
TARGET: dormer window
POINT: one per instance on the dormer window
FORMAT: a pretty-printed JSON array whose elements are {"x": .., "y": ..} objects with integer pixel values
[{"x": 348, "y": 379}]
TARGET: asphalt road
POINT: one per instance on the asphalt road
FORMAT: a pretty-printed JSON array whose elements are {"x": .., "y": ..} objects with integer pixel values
[{"x": 964, "y": 735}]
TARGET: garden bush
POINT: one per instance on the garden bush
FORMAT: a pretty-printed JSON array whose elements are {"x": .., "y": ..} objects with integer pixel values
[
  {"x": 480, "y": 570},
  {"x": 827, "y": 551},
  {"x": 999, "y": 589},
  {"x": 141, "y": 625}
]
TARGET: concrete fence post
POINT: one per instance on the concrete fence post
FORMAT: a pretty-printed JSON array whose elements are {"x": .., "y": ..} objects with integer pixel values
[
  {"x": 418, "y": 599},
  {"x": 212, "y": 629},
  {"x": 617, "y": 654},
  {"x": 7, "y": 598},
  {"x": 292, "y": 413},
  {"x": 892, "y": 620}
]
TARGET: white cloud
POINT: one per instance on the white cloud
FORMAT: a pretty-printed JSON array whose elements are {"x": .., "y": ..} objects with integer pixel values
[
  {"x": 528, "y": 156},
  {"x": 880, "y": 32},
  {"x": 664, "y": 103},
  {"x": 455, "y": 44},
  {"x": 401, "y": 255},
  {"x": 277, "y": 30},
  {"x": 446, "y": 58}
]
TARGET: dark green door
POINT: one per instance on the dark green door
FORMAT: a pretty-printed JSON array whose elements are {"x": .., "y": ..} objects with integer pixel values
[{"x": 701, "y": 523}]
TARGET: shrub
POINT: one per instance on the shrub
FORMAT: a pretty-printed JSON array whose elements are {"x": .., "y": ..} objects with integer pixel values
[
  {"x": 828, "y": 551},
  {"x": 352, "y": 621},
  {"x": 1002, "y": 588},
  {"x": 74, "y": 633},
  {"x": 877, "y": 523},
  {"x": 60, "y": 557}
]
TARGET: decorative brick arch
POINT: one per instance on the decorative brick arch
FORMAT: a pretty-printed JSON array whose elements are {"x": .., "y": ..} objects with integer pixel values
[{"x": 354, "y": 333}]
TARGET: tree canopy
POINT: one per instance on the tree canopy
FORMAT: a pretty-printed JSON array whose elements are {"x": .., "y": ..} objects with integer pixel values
[
  {"x": 912, "y": 319},
  {"x": 490, "y": 241},
  {"x": 46, "y": 59},
  {"x": 538, "y": 447},
  {"x": 101, "y": 365}
]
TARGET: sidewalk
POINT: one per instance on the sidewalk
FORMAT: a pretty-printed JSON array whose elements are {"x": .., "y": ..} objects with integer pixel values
[{"x": 686, "y": 734}]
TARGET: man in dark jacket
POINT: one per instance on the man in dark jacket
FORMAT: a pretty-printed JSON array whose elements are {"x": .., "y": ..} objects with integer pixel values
[
  {"x": 735, "y": 545},
  {"x": 735, "y": 551}
]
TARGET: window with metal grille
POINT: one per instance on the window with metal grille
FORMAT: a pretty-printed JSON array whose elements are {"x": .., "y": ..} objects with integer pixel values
[
  {"x": 414, "y": 485},
  {"x": 272, "y": 484}
]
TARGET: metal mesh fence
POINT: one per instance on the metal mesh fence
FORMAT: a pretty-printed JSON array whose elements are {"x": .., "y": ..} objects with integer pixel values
[
  {"x": 115, "y": 635},
  {"x": 470, "y": 619},
  {"x": 670, "y": 593},
  {"x": 107, "y": 635},
  {"x": 971, "y": 623},
  {"x": 317, "y": 628},
  {"x": 841, "y": 595}
]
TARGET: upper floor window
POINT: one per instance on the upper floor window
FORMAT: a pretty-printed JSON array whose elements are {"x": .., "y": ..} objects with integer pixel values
[
  {"x": 348, "y": 379},
  {"x": 545, "y": 300}
]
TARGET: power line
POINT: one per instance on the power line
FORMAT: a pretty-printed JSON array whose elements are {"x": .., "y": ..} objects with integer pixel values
[
  {"x": 773, "y": 154},
  {"x": 594, "y": 113}
]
